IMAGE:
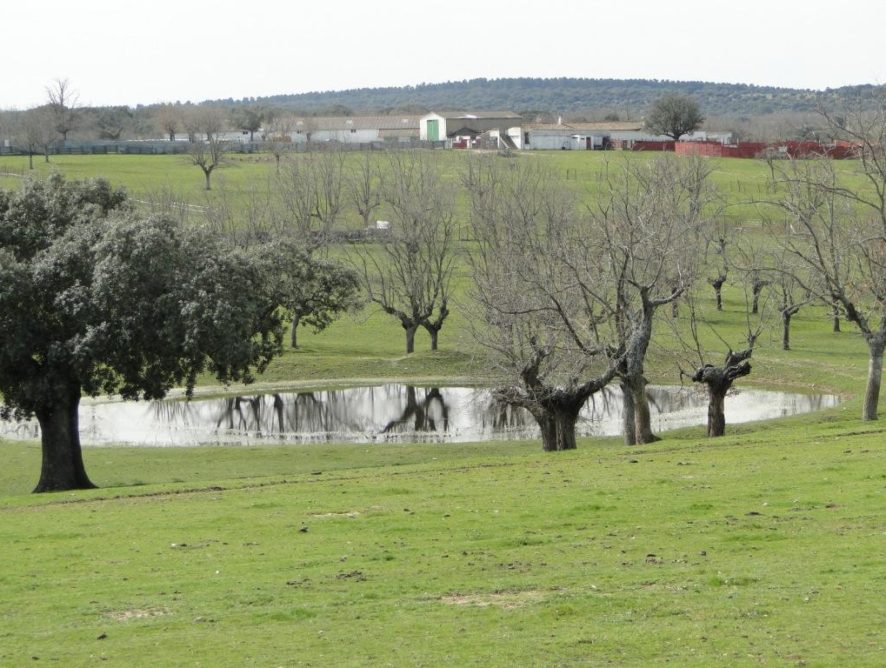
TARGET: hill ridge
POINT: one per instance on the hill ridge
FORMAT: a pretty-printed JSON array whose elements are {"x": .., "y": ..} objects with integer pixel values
[{"x": 628, "y": 98}]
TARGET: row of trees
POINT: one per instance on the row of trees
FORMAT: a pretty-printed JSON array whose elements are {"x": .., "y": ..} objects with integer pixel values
[
  {"x": 565, "y": 296},
  {"x": 61, "y": 117}
]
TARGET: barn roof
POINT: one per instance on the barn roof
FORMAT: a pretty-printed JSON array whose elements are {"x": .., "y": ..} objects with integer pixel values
[
  {"x": 482, "y": 115},
  {"x": 319, "y": 123},
  {"x": 602, "y": 126}
]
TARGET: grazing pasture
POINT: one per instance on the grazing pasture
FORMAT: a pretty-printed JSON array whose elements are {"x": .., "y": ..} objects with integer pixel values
[{"x": 760, "y": 547}]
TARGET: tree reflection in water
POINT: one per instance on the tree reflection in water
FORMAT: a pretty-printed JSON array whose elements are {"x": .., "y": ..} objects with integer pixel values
[
  {"x": 389, "y": 413},
  {"x": 428, "y": 416}
]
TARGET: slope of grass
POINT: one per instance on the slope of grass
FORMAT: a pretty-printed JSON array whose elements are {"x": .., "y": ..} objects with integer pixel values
[
  {"x": 761, "y": 547},
  {"x": 764, "y": 547}
]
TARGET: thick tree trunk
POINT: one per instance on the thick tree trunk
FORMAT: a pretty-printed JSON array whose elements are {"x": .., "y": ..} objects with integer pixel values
[
  {"x": 293, "y": 335},
  {"x": 642, "y": 416},
  {"x": 629, "y": 425},
  {"x": 636, "y": 417},
  {"x": 718, "y": 380},
  {"x": 30, "y": 160},
  {"x": 434, "y": 333},
  {"x": 875, "y": 372},
  {"x": 716, "y": 412},
  {"x": 207, "y": 174},
  {"x": 785, "y": 331},
  {"x": 410, "y": 338},
  {"x": 62, "y": 466},
  {"x": 557, "y": 429},
  {"x": 836, "y": 315},
  {"x": 717, "y": 284}
]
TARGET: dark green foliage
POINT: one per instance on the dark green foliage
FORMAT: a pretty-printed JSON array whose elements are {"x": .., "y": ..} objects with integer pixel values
[
  {"x": 312, "y": 291},
  {"x": 249, "y": 119},
  {"x": 632, "y": 97},
  {"x": 96, "y": 299},
  {"x": 674, "y": 116}
]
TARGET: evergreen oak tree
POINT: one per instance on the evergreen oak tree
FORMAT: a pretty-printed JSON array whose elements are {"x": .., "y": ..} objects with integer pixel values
[{"x": 95, "y": 298}]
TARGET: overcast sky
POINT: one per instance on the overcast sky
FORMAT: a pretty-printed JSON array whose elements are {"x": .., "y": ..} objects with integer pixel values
[{"x": 117, "y": 52}]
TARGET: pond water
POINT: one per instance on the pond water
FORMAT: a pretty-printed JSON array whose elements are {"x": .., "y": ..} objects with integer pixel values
[{"x": 390, "y": 413}]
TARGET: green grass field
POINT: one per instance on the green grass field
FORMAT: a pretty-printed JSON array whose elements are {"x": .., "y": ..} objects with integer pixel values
[{"x": 763, "y": 547}]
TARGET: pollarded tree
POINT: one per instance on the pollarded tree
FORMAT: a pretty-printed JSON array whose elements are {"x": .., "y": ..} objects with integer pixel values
[
  {"x": 649, "y": 227},
  {"x": 674, "y": 115},
  {"x": 719, "y": 379},
  {"x": 408, "y": 273},
  {"x": 168, "y": 119},
  {"x": 207, "y": 150},
  {"x": 540, "y": 329},
  {"x": 95, "y": 299}
]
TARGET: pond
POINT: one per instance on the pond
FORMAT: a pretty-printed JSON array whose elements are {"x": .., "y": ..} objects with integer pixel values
[{"x": 390, "y": 413}]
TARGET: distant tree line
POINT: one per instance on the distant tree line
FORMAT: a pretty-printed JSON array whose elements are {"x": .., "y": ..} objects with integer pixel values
[
  {"x": 628, "y": 97},
  {"x": 752, "y": 112}
]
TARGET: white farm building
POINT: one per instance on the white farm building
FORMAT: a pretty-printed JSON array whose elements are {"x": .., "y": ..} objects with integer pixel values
[
  {"x": 591, "y": 136},
  {"x": 355, "y": 129},
  {"x": 455, "y": 126}
]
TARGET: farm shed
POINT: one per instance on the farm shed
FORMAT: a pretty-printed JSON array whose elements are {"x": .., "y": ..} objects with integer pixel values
[
  {"x": 580, "y": 136},
  {"x": 355, "y": 129},
  {"x": 453, "y": 125}
]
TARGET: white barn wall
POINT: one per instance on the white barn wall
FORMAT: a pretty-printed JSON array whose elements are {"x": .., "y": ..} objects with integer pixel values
[{"x": 423, "y": 126}]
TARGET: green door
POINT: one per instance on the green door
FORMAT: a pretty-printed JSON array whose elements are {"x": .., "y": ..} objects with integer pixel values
[{"x": 434, "y": 130}]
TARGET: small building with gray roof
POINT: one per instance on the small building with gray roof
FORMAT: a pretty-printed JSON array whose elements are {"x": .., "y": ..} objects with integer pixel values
[
  {"x": 450, "y": 125},
  {"x": 355, "y": 129}
]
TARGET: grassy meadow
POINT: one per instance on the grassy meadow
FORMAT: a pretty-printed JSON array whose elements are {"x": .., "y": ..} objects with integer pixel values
[{"x": 764, "y": 547}]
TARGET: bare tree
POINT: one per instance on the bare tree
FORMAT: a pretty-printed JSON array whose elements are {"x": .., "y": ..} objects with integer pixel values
[
  {"x": 408, "y": 273},
  {"x": 35, "y": 133},
  {"x": 311, "y": 193},
  {"x": 168, "y": 119},
  {"x": 844, "y": 250},
  {"x": 208, "y": 150},
  {"x": 329, "y": 181},
  {"x": 62, "y": 103},
  {"x": 278, "y": 134},
  {"x": 540, "y": 328},
  {"x": 753, "y": 263},
  {"x": 718, "y": 379},
  {"x": 112, "y": 122},
  {"x": 650, "y": 226},
  {"x": 365, "y": 188},
  {"x": 246, "y": 217},
  {"x": 296, "y": 195},
  {"x": 716, "y": 244},
  {"x": 766, "y": 264},
  {"x": 791, "y": 297}
]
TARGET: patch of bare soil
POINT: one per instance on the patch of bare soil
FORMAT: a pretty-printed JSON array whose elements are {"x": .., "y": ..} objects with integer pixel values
[{"x": 507, "y": 600}]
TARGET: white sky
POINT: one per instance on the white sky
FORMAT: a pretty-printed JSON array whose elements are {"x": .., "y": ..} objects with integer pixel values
[{"x": 119, "y": 52}]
